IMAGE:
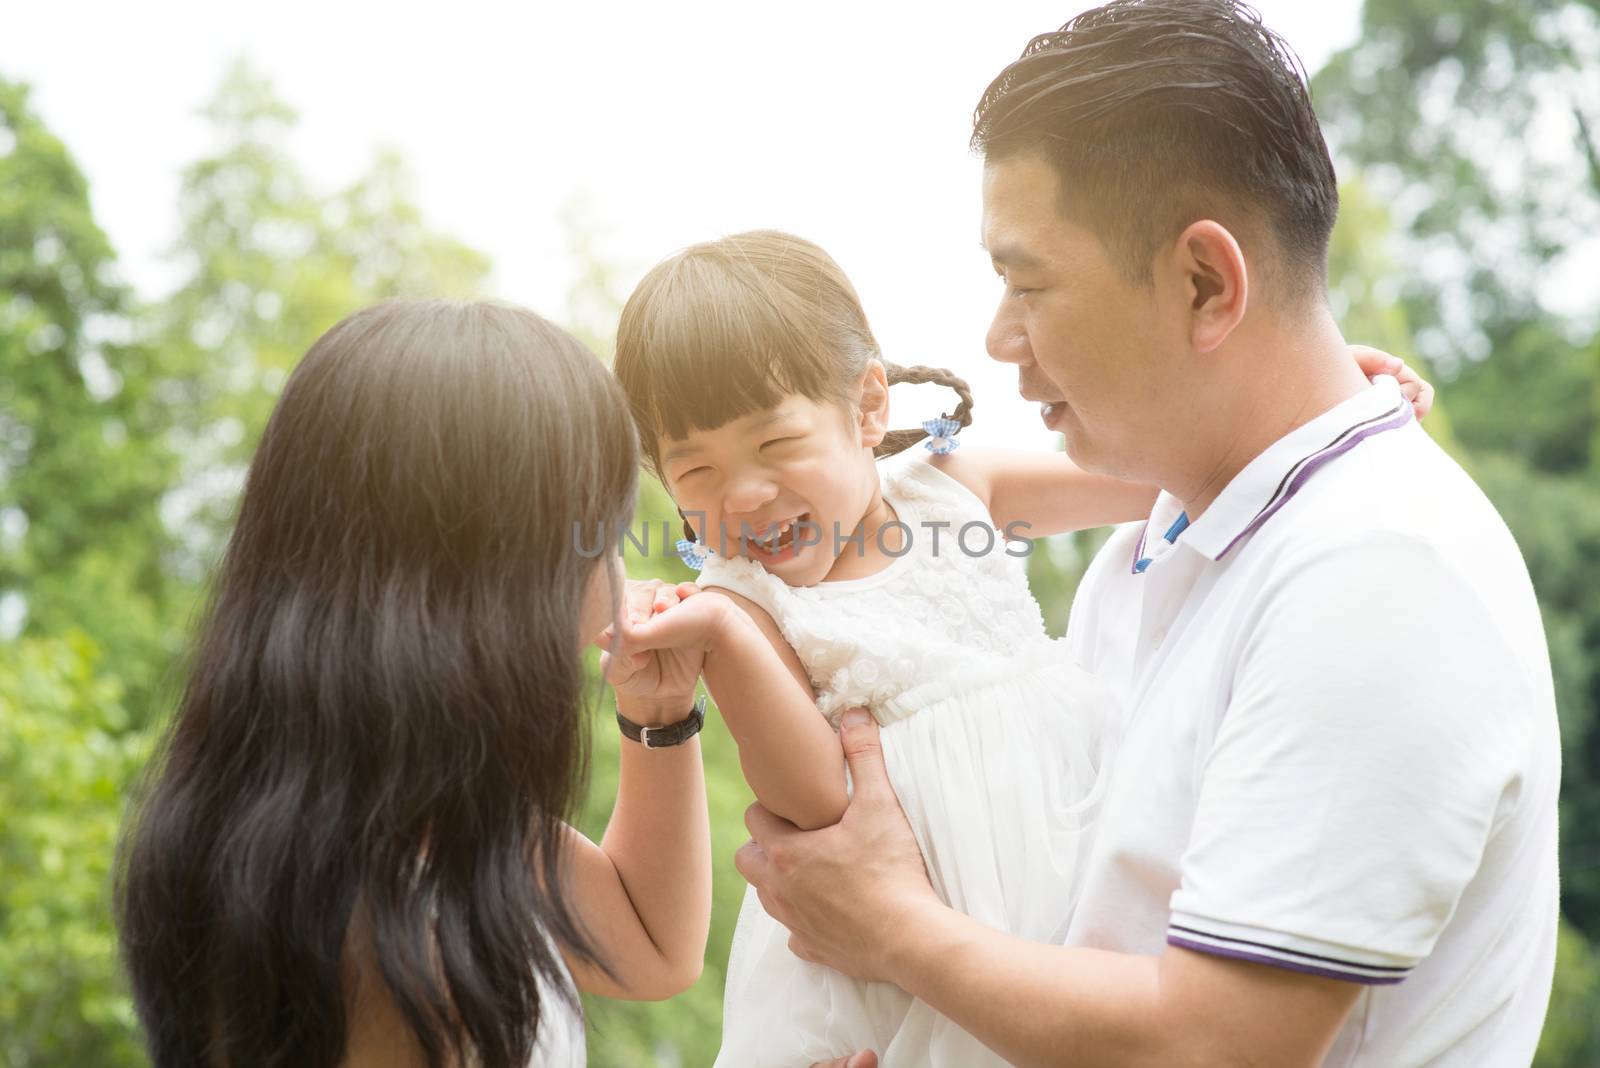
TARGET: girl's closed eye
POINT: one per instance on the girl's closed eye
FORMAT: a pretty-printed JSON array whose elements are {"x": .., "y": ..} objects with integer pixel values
[{"x": 780, "y": 441}]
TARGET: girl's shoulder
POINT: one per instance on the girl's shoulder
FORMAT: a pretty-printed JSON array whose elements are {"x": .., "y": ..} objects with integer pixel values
[
  {"x": 745, "y": 577},
  {"x": 935, "y": 484}
]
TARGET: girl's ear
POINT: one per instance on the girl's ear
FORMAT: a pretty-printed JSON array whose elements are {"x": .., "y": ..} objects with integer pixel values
[{"x": 872, "y": 405}]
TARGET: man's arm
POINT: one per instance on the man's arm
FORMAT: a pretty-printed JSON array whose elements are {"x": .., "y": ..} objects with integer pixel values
[
  {"x": 1033, "y": 1004},
  {"x": 1090, "y": 1007}
]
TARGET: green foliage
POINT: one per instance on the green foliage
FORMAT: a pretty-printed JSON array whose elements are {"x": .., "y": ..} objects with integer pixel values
[
  {"x": 1556, "y": 521},
  {"x": 1535, "y": 399},
  {"x": 1478, "y": 119},
  {"x": 1572, "y": 1027},
  {"x": 1362, "y": 280},
  {"x": 65, "y": 765},
  {"x": 83, "y": 459}
]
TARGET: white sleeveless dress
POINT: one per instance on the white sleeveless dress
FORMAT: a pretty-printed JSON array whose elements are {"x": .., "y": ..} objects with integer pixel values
[
  {"x": 994, "y": 743},
  {"x": 561, "y": 1042}
]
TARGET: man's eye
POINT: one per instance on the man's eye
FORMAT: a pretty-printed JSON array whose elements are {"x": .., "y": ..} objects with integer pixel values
[{"x": 1011, "y": 290}]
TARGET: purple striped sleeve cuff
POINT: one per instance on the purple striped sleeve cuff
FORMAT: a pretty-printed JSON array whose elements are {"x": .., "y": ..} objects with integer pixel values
[{"x": 1325, "y": 965}]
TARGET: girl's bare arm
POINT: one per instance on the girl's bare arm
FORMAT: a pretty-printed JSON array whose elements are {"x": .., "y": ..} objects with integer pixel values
[
  {"x": 790, "y": 755},
  {"x": 1036, "y": 494}
]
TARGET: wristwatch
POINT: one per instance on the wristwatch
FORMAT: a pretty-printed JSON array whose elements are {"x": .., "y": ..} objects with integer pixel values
[{"x": 669, "y": 735}]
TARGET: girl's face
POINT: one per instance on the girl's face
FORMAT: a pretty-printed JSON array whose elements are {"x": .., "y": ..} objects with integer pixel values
[{"x": 802, "y": 462}]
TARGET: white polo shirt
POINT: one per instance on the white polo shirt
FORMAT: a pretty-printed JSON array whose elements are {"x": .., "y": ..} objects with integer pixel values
[{"x": 1340, "y": 754}]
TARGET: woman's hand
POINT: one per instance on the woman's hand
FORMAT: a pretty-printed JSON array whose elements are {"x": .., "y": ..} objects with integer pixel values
[
  {"x": 654, "y": 683},
  {"x": 1374, "y": 362}
]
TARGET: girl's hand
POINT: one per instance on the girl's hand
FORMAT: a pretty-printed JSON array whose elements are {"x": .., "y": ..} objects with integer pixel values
[
  {"x": 1374, "y": 362},
  {"x": 693, "y": 622},
  {"x": 654, "y": 677}
]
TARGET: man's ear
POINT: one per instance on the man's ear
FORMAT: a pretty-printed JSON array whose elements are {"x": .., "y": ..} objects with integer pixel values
[
  {"x": 1208, "y": 266},
  {"x": 872, "y": 404}
]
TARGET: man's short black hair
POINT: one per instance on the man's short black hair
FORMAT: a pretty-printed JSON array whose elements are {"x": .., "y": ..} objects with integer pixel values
[{"x": 1156, "y": 113}]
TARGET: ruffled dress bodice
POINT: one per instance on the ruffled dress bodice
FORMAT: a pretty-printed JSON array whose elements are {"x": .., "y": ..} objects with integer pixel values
[{"x": 952, "y": 614}]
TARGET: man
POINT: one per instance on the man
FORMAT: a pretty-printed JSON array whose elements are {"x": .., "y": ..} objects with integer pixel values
[{"x": 1330, "y": 835}]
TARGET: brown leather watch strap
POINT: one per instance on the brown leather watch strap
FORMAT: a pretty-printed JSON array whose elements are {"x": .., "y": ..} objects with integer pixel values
[{"x": 669, "y": 735}]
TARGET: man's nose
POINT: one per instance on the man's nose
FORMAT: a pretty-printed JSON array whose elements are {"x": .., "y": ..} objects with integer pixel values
[{"x": 1007, "y": 340}]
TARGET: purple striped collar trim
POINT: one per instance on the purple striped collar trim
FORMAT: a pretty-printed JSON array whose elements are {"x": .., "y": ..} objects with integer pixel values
[
  {"x": 1396, "y": 413},
  {"x": 1393, "y": 419}
]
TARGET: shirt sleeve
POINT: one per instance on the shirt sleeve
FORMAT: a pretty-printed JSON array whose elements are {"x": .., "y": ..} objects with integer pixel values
[{"x": 1368, "y": 751}]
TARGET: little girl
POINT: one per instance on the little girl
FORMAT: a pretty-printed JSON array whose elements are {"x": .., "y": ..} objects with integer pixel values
[{"x": 836, "y": 582}]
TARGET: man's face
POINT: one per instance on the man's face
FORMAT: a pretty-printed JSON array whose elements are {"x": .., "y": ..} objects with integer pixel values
[
  {"x": 1087, "y": 344},
  {"x": 802, "y": 462}
]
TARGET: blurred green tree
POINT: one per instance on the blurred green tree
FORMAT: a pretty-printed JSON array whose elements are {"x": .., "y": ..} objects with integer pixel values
[
  {"x": 84, "y": 458},
  {"x": 1571, "y": 1037},
  {"x": 1478, "y": 122},
  {"x": 65, "y": 759}
]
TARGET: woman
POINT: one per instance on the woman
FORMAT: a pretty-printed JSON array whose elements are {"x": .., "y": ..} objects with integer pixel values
[{"x": 352, "y": 848}]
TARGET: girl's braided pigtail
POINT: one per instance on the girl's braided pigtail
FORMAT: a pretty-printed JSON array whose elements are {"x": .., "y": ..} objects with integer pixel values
[{"x": 900, "y": 440}]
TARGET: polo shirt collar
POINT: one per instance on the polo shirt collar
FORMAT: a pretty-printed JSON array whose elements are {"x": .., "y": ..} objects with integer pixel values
[{"x": 1272, "y": 479}]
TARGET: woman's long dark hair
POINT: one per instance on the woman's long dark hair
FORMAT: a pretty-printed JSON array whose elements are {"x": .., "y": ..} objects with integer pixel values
[{"x": 384, "y": 714}]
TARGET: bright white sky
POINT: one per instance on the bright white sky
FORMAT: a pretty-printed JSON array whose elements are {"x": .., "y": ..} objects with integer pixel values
[{"x": 846, "y": 123}]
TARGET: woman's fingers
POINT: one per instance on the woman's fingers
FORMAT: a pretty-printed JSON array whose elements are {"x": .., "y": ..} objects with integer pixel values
[{"x": 615, "y": 671}]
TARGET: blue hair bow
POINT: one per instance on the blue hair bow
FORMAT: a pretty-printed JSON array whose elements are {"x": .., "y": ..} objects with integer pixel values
[
  {"x": 692, "y": 553},
  {"x": 941, "y": 435}
]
